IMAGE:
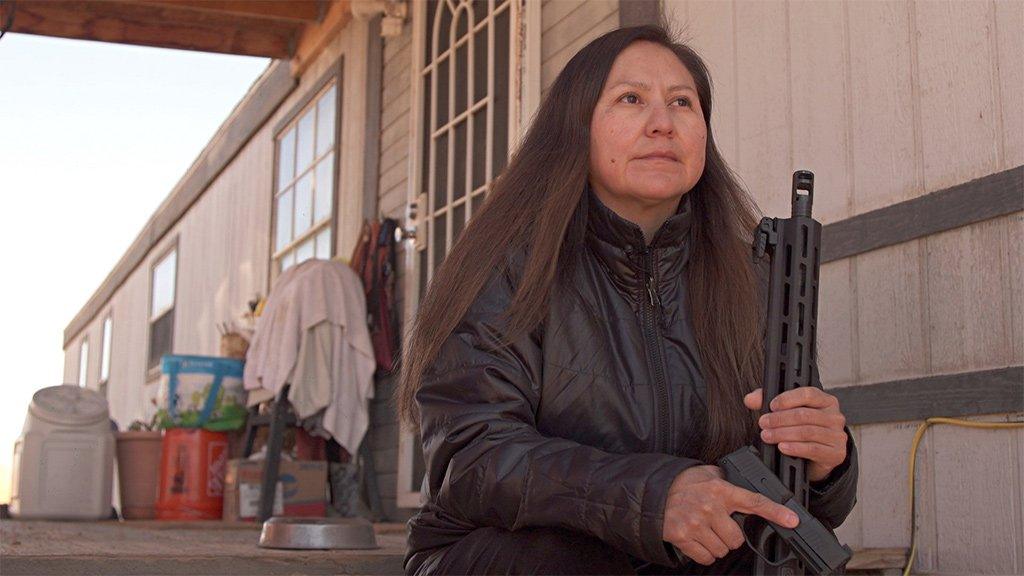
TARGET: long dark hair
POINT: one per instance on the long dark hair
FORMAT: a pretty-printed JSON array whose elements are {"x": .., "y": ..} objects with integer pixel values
[{"x": 537, "y": 203}]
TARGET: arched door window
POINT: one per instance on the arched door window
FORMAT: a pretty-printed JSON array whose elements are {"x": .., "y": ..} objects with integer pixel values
[
  {"x": 466, "y": 85},
  {"x": 468, "y": 56}
]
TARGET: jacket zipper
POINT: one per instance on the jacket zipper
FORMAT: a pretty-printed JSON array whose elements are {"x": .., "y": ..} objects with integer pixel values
[{"x": 653, "y": 346}]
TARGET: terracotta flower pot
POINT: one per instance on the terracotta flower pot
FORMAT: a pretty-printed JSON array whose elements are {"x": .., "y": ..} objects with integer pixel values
[{"x": 138, "y": 469}]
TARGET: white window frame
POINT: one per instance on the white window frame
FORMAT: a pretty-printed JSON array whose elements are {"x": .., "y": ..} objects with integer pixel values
[
  {"x": 83, "y": 363},
  {"x": 106, "y": 340},
  {"x": 290, "y": 250},
  {"x": 151, "y": 317},
  {"x": 524, "y": 97}
]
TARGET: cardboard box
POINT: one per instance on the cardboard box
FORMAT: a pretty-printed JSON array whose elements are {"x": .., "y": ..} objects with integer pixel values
[{"x": 301, "y": 489}]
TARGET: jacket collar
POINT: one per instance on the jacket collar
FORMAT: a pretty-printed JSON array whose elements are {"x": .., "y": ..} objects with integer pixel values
[
  {"x": 613, "y": 229},
  {"x": 619, "y": 245}
]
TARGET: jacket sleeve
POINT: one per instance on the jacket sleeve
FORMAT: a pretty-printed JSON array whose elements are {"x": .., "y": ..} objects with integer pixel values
[
  {"x": 488, "y": 465},
  {"x": 832, "y": 498}
]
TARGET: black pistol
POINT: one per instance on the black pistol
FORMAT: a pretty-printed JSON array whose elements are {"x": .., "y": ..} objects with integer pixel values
[
  {"x": 793, "y": 245},
  {"x": 811, "y": 544}
]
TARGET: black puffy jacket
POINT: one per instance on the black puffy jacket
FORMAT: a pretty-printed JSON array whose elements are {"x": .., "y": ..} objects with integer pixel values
[{"x": 584, "y": 423}]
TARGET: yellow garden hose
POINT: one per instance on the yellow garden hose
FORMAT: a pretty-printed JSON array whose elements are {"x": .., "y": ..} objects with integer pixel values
[{"x": 913, "y": 461}]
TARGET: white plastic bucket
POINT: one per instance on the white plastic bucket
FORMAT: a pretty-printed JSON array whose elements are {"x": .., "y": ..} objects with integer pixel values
[{"x": 64, "y": 458}]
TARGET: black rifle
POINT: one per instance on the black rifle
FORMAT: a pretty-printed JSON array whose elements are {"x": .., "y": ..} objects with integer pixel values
[{"x": 793, "y": 245}]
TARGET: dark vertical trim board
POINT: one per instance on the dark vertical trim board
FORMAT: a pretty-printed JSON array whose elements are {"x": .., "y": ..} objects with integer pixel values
[
  {"x": 374, "y": 97},
  {"x": 997, "y": 391},
  {"x": 639, "y": 12},
  {"x": 988, "y": 197}
]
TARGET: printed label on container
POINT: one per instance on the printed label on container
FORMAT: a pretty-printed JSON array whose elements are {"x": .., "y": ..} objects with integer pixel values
[
  {"x": 249, "y": 500},
  {"x": 217, "y": 459}
]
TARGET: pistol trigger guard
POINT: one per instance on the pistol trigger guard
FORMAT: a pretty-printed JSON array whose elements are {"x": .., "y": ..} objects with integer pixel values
[{"x": 741, "y": 519}]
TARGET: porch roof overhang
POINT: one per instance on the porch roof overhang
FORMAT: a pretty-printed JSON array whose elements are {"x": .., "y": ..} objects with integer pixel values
[
  {"x": 279, "y": 29},
  {"x": 292, "y": 32}
]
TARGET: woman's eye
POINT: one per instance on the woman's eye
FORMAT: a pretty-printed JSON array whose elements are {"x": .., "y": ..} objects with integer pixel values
[{"x": 685, "y": 100}]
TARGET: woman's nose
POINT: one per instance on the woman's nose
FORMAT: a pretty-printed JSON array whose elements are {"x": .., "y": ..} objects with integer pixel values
[{"x": 659, "y": 120}]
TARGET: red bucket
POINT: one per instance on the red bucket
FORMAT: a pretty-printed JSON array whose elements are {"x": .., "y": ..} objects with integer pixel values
[{"x": 192, "y": 465}]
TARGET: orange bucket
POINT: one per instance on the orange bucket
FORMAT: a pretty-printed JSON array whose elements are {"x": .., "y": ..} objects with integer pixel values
[{"x": 192, "y": 465}]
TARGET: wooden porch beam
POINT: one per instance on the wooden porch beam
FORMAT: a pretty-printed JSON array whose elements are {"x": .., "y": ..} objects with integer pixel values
[
  {"x": 315, "y": 37},
  {"x": 151, "y": 25},
  {"x": 286, "y": 10}
]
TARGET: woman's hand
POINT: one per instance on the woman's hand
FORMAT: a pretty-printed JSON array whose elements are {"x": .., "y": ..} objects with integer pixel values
[
  {"x": 698, "y": 509},
  {"x": 805, "y": 422}
]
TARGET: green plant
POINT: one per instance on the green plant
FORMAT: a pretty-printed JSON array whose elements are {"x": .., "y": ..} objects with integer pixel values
[{"x": 139, "y": 425}]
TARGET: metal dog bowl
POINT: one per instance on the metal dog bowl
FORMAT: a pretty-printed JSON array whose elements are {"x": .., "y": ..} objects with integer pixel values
[{"x": 318, "y": 534}]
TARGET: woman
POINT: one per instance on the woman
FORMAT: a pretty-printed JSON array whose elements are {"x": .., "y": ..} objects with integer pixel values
[{"x": 593, "y": 343}]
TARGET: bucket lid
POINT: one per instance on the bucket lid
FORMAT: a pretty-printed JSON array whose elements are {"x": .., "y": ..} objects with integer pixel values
[{"x": 68, "y": 404}]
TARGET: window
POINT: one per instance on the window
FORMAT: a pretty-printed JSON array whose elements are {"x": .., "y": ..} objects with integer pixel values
[
  {"x": 83, "y": 363},
  {"x": 105, "y": 350},
  {"x": 466, "y": 56},
  {"x": 161, "y": 308},
  {"x": 304, "y": 191},
  {"x": 465, "y": 137}
]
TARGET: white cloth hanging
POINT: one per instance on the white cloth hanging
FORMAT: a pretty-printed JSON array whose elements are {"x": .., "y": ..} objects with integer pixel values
[{"x": 313, "y": 335}]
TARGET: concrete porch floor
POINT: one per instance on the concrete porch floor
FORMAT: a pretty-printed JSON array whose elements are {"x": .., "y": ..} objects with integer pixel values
[
  {"x": 151, "y": 547},
  {"x": 227, "y": 548}
]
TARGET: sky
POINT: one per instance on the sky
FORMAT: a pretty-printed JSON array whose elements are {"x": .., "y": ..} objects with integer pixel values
[{"x": 93, "y": 136}]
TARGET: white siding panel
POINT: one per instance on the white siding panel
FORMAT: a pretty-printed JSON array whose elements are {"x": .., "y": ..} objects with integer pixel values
[
  {"x": 969, "y": 303},
  {"x": 399, "y": 128},
  {"x": 959, "y": 117},
  {"x": 555, "y": 11},
  {"x": 223, "y": 250},
  {"x": 820, "y": 120},
  {"x": 72, "y": 356},
  {"x": 394, "y": 176},
  {"x": 394, "y": 45},
  {"x": 836, "y": 326},
  {"x": 891, "y": 314},
  {"x": 394, "y": 200},
  {"x": 1009, "y": 24},
  {"x": 571, "y": 34},
  {"x": 885, "y": 162},
  {"x": 395, "y": 110},
  {"x": 979, "y": 519},
  {"x": 397, "y": 70},
  {"x": 392, "y": 187},
  {"x": 70, "y": 364},
  {"x": 127, "y": 392},
  {"x": 709, "y": 26},
  {"x": 393, "y": 96},
  {"x": 764, "y": 104},
  {"x": 584, "y": 16},
  {"x": 395, "y": 155},
  {"x": 1015, "y": 256},
  {"x": 883, "y": 474}
]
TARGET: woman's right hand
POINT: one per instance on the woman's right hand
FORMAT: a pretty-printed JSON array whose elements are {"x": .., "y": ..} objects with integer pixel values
[{"x": 698, "y": 513}]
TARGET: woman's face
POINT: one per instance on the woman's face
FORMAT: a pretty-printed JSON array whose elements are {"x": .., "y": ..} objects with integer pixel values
[{"x": 648, "y": 105}]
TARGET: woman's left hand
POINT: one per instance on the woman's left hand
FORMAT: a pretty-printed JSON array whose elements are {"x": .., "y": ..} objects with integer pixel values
[{"x": 806, "y": 423}]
